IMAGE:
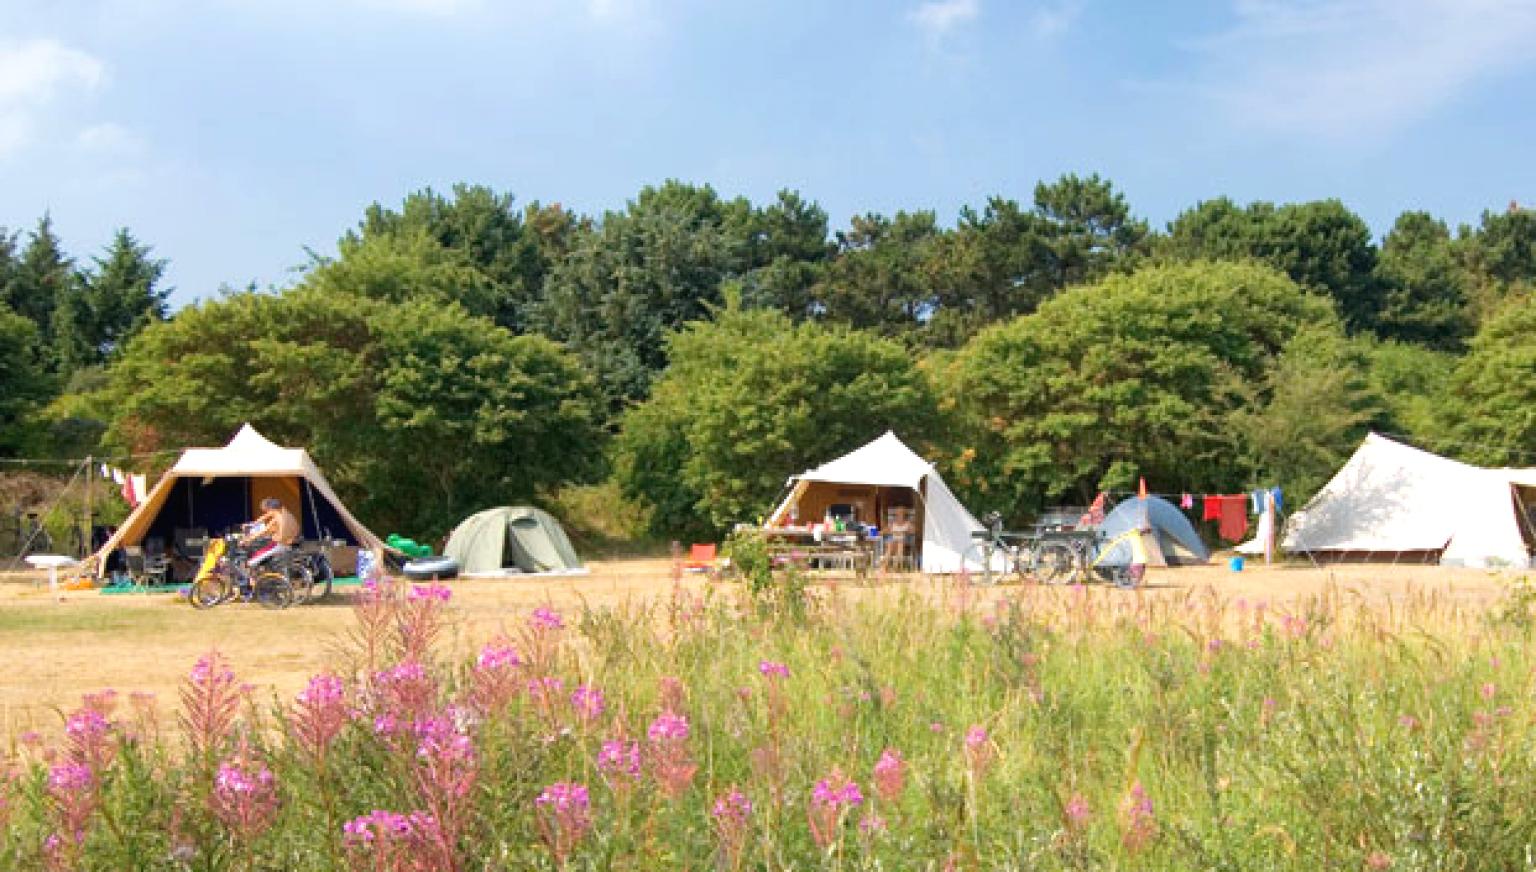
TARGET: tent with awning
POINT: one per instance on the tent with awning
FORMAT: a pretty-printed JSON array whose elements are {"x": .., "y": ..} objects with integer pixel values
[
  {"x": 1392, "y": 501},
  {"x": 870, "y": 482},
  {"x": 215, "y": 490}
]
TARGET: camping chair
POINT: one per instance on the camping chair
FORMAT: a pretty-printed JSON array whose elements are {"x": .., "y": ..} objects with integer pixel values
[
  {"x": 147, "y": 571},
  {"x": 701, "y": 558}
]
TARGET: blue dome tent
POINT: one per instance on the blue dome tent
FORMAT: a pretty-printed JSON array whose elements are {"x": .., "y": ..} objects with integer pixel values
[{"x": 1168, "y": 537}]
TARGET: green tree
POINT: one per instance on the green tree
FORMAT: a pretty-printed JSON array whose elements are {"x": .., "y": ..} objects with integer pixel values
[
  {"x": 24, "y": 383},
  {"x": 1091, "y": 230},
  {"x": 121, "y": 295},
  {"x": 751, "y": 398},
  {"x": 1317, "y": 402},
  {"x": 643, "y": 272},
  {"x": 508, "y": 250},
  {"x": 1498, "y": 259},
  {"x": 1321, "y": 245},
  {"x": 882, "y": 279},
  {"x": 1494, "y": 410},
  {"x": 419, "y": 411},
  {"x": 1136, "y": 375},
  {"x": 1424, "y": 299}
]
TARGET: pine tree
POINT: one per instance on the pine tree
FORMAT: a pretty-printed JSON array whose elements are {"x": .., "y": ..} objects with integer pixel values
[
  {"x": 40, "y": 276},
  {"x": 121, "y": 295}
]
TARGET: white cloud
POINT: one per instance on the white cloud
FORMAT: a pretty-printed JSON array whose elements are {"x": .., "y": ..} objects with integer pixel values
[
  {"x": 1347, "y": 69},
  {"x": 108, "y": 138},
  {"x": 33, "y": 76},
  {"x": 1053, "y": 19},
  {"x": 938, "y": 17}
]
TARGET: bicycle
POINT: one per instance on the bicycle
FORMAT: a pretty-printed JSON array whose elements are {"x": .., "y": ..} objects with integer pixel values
[
  {"x": 314, "y": 576},
  {"x": 997, "y": 551},
  {"x": 1082, "y": 558},
  {"x": 225, "y": 574}
]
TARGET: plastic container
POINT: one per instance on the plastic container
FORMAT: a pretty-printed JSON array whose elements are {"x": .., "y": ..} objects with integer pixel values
[{"x": 1236, "y": 563}]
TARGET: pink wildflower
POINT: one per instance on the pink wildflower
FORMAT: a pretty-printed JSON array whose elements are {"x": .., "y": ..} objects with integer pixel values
[
  {"x": 770, "y": 669},
  {"x": 210, "y": 699},
  {"x": 244, "y": 798},
  {"x": 434, "y": 592},
  {"x": 871, "y": 825},
  {"x": 319, "y": 714},
  {"x": 564, "y": 817},
  {"x": 669, "y": 726},
  {"x": 1378, "y": 861},
  {"x": 588, "y": 703},
  {"x": 496, "y": 656},
  {"x": 1489, "y": 691},
  {"x": 1138, "y": 824},
  {"x": 732, "y": 815},
  {"x": 620, "y": 761},
  {"x": 89, "y": 743},
  {"x": 1077, "y": 812},
  {"x": 890, "y": 775},
  {"x": 831, "y": 799},
  {"x": 545, "y": 619},
  {"x": 978, "y": 748},
  {"x": 386, "y": 841}
]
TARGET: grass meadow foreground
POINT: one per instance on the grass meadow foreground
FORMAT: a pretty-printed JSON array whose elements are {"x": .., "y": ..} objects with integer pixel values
[{"x": 1028, "y": 729}]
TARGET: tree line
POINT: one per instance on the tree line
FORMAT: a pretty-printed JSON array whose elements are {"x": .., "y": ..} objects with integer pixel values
[{"x": 689, "y": 351}]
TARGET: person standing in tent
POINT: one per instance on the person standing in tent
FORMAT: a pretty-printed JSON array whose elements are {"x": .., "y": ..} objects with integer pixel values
[{"x": 272, "y": 534}]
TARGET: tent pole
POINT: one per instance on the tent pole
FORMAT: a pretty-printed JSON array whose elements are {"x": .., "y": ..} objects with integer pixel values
[{"x": 86, "y": 542}]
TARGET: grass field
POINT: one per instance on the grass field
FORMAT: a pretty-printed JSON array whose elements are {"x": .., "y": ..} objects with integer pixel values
[{"x": 1288, "y": 718}]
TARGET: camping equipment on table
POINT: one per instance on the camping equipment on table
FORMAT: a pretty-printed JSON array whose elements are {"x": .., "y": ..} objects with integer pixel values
[
  {"x": 869, "y": 481},
  {"x": 511, "y": 540},
  {"x": 429, "y": 568}
]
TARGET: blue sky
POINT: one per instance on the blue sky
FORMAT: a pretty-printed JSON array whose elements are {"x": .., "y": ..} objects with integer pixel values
[{"x": 230, "y": 134}]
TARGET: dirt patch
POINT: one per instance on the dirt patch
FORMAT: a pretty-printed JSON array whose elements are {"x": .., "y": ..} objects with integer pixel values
[{"x": 58, "y": 650}]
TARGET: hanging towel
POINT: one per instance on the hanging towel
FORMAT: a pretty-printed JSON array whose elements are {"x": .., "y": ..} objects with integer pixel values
[
  {"x": 1212, "y": 508},
  {"x": 1186, "y": 502},
  {"x": 1233, "y": 524},
  {"x": 1279, "y": 503}
]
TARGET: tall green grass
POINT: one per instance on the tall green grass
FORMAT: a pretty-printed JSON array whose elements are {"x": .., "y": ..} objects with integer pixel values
[{"x": 1039, "y": 729}]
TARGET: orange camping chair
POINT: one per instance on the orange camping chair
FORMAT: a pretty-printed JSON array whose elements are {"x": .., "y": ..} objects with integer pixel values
[{"x": 701, "y": 558}]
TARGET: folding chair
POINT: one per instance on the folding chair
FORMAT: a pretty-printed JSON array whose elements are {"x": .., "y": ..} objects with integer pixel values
[
  {"x": 147, "y": 571},
  {"x": 701, "y": 558}
]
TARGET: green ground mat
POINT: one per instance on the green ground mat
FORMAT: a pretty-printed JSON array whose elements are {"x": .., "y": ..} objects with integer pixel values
[{"x": 341, "y": 581}]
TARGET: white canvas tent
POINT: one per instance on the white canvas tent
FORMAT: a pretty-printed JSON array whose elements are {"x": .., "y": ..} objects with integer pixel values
[
  {"x": 887, "y": 463},
  {"x": 1391, "y": 500},
  {"x": 217, "y": 488}
]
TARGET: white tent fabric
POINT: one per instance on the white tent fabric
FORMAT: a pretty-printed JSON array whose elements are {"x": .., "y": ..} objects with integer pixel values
[
  {"x": 888, "y": 462},
  {"x": 1391, "y": 498},
  {"x": 248, "y": 454}
]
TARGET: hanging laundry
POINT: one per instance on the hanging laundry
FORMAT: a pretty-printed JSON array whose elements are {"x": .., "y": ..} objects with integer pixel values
[
  {"x": 1186, "y": 502},
  {"x": 1095, "y": 514},
  {"x": 1279, "y": 503},
  {"x": 1233, "y": 521},
  {"x": 1212, "y": 508}
]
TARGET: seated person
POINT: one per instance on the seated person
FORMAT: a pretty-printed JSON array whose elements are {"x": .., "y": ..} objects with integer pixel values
[
  {"x": 900, "y": 537},
  {"x": 272, "y": 534}
]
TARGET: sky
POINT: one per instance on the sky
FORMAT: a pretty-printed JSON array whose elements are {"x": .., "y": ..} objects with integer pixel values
[{"x": 236, "y": 135}]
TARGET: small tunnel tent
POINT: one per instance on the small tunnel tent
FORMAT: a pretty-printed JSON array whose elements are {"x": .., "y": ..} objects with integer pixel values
[
  {"x": 869, "y": 482},
  {"x": 215, "y": 490},
  {"x": 511, "y": 540},
  {"x": 1167, "y": 536}
]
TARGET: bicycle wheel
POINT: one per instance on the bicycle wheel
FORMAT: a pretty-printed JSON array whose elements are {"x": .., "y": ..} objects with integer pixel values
[
  {"x": 978, "y": 563},
  {"x": 321, "y": 577},
  {"x": 272, "y": 589},
  {"x": 209, "y": 591},
  {"x": 1055, "y": 563}
]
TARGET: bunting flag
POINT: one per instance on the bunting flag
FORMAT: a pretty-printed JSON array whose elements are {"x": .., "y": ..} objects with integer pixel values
[
  {"x": 1141, "y": 487},
  {"x": 1095, "y": 515}
]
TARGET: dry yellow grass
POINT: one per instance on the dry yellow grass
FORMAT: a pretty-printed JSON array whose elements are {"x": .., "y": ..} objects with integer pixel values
[{"x": 56, "y": 651}]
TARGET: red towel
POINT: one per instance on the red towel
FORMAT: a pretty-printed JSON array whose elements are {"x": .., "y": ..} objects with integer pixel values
[
  {"x": 1212, "y": 508},
  {"x": 1234, "y": 518}
]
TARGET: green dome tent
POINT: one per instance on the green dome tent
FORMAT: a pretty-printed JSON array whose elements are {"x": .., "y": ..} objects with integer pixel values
[{"x": 510, "y": 540}]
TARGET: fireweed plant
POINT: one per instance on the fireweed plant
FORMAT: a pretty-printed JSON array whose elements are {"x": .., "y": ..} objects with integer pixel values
[{"x": 1028, "y": 728}]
